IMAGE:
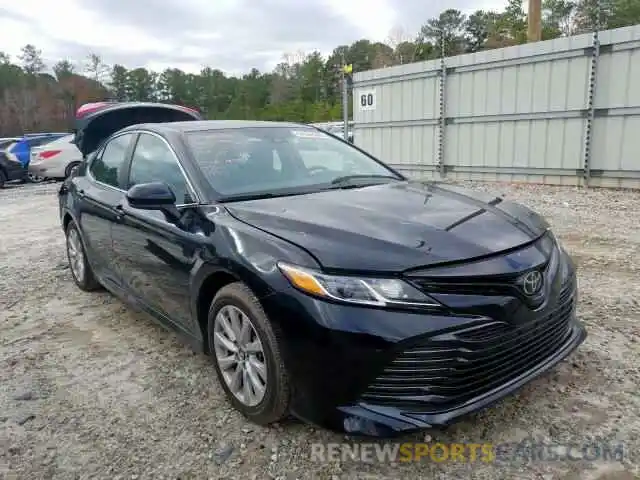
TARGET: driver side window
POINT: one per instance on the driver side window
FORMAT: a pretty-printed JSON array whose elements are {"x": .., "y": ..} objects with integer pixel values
[{"x": 154, "y": 161}]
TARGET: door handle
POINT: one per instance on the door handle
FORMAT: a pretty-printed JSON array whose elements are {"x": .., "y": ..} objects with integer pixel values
[{"x": 119, "y": 212}]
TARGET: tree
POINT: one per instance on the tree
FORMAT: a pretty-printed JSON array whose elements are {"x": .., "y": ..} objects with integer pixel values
[
  {"x": 63, "y": 69},
  {"x": 303, "y": 87},
  {"x": 478, "y": 28},
  {"x": 95, "y": 67},
  {"x": 119, "y": 82},
  {"x": 623, "y": 13},
  {"x": 401, "y": 45},
  {"x": 445, "y": 31},
  {"x": 557, "y": 18},
  {"x": 141, "y": 85},
  {"x": 397, "y": 35},
  {"x": 31, "y": 59}
]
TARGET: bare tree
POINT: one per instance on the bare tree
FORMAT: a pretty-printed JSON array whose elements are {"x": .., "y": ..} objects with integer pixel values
[
  {"x": 397, "y": 36},
  {"x": 95, "y": 68}
]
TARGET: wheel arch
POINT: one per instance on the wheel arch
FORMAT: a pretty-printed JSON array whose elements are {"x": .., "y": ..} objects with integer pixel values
[
  {"x": 66, "y": 220},
  {"x": 208, "y": 282},
  {"x": 72, "y": 164},
  {"x": 212, "y": 281}
]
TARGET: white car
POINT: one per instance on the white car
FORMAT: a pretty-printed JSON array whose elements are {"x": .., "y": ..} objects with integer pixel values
[{"x": 55, "y": 159}]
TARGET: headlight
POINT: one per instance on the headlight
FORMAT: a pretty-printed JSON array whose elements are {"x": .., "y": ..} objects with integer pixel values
[{"x": 367, "y": 291}]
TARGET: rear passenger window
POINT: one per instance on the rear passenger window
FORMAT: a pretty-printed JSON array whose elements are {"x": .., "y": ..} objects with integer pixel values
[
  {"x": 106, "y": 167},
  {"x": 41, "y": 141}
]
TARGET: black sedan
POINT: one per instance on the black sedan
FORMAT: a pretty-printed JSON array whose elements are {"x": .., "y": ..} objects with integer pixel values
[
  {"x": 10, "y": 168},
  {"x": 322, "y": 283}
]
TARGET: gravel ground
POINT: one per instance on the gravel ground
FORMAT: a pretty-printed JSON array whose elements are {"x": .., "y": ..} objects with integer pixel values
[{"x": 91, "y": 389}]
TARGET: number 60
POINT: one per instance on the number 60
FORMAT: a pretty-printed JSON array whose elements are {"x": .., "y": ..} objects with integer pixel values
[{"x": 366, "y": 100}]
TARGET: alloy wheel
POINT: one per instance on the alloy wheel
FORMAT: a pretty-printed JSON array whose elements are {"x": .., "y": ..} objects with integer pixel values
[
  {"x": 76, "y": 254},
  {"x": 240, "y": 355}
]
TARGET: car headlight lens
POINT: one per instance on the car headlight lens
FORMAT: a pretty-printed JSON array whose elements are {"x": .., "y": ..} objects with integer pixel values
[{"x": 361, "y": 290}]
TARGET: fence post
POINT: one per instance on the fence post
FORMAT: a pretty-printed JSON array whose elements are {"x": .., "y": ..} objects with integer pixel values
[
  {"x": 443, "y": 109},
  {"x": 593, "y": 77}
]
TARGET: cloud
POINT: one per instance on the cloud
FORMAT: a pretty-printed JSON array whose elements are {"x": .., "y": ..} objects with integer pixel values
[
  {"x": 9, "y": 15},
  {"x": 232, "y": 35}
]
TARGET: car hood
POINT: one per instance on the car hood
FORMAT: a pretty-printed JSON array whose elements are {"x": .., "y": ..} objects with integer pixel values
[
  {"x": 97, "y": 121},
  {"x": 394, "y": 227}
]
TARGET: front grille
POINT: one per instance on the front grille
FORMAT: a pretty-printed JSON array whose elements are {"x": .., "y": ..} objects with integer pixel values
[
  {"x": 441, "y": 373},
  {"x": 506, "y": 285},
  {"x": 446, "y": 281}
]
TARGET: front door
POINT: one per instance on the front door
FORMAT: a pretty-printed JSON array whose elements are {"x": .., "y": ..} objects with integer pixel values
[{"x": 155, "y": 257}]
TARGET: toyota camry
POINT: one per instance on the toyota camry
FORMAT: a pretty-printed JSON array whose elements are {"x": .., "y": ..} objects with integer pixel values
[{"x": 322, "y": 283}]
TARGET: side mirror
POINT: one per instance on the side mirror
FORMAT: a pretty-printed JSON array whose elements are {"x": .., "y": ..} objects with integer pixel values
[{"x": 154, "y": 196}]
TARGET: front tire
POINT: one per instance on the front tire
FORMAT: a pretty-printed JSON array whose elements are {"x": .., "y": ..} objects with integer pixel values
[
  {"x": 247, "y": 355},
  {"x": 3, "y": 179},
  {"x": 78, "y": 264}
]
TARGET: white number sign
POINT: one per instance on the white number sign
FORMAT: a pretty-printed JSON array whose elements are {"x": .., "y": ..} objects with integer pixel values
[{"x": 367, "y": 99}]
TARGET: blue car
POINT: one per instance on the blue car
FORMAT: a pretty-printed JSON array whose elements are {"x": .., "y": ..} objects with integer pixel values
[{"x": 20, "y": 151}]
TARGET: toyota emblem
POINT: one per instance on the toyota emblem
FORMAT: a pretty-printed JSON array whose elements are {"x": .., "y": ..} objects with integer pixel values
[{"x": 532, "y": 283}]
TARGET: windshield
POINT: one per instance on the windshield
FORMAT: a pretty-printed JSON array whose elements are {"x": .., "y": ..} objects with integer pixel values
[{"x": 266, "y": 161}]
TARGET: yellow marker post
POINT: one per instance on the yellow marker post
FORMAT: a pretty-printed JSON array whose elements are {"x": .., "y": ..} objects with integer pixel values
[{"x": 346, "y": 72}]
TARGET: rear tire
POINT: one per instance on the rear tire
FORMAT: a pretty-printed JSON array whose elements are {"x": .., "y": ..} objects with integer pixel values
[
  {"x": 78, "y": 264},
  {"x": 70, "y": 167},
  {"x": 35, "y": 178},
  {"x": 261, "y": 335}
]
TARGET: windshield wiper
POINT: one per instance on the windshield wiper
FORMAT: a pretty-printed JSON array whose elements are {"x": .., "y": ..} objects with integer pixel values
[
  {"x": 249, "y": 196},
  {"x": 258, "y": 196},
  {"x": 346, "y": 179}
]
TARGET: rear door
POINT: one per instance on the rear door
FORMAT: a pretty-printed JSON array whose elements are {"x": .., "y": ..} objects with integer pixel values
[{"x": 100, "y": 193}]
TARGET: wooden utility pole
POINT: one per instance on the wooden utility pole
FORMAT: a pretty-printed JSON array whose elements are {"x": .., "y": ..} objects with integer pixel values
[{"x": 534, "y": 20}]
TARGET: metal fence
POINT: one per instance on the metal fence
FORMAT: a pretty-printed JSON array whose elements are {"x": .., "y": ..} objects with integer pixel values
[{"x": 563, "y": 111}]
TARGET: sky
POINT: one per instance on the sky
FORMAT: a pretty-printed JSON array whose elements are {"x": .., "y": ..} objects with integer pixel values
[{"x": 231, "y": 35}]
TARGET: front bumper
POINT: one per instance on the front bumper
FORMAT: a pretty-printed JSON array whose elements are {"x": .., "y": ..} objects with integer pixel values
[
  {"x": 376, "y": 420},
  {"x": 379, "y": 372}
]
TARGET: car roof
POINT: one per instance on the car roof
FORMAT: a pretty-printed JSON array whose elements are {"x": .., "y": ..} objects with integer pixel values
[
  {"x": 204, "y": 125},
  {"x": 7, "y": 142},
  {"x": 44, "y": 134},
  {"x": 61, "y": 140},
  {"x": 33, "y": 137}
]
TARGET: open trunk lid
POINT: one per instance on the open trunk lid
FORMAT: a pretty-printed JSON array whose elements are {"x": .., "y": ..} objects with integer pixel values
[{"x": 97, "y": 121}]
